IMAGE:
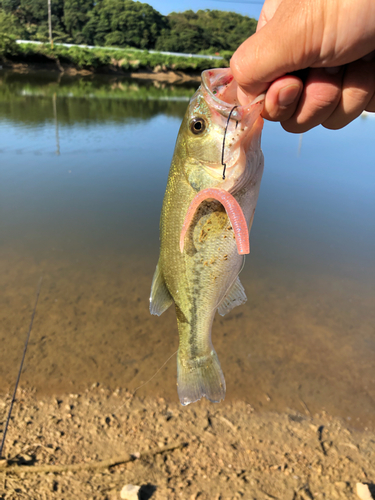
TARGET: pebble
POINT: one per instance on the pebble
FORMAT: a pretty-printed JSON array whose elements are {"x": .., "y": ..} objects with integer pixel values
[
  {"x": 340, "y": 484},
  {"x": 363, "y": 491},
  {"x": 130, "y": 492}
]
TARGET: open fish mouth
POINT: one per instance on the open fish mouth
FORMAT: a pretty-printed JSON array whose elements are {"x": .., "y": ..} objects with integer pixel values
[{"x": 220, "y": 92}]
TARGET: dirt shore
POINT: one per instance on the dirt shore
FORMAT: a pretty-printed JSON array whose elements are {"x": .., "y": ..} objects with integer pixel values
[{"x": 223, "y": 452}]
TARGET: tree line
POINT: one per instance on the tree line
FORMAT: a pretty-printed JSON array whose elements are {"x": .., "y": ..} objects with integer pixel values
[{"x": 125, "y": 23}]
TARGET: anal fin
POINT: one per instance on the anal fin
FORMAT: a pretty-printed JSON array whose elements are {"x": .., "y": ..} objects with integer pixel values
[
  {"x": 160, "y": 298},
  {"x": 234, "y": 297}
]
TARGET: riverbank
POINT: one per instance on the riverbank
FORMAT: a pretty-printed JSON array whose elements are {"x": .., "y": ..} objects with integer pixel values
[
  {"x": 210, "y": 451},
  {"x": 24, "y": 58},
  {"x": 70, "y": 70}
]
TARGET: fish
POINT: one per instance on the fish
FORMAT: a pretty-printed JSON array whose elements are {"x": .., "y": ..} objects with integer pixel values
[{"x": 207, "y": 213}]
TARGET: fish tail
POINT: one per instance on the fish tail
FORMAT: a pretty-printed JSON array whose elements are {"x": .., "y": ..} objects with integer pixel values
[{"x": 200, "y": 377}]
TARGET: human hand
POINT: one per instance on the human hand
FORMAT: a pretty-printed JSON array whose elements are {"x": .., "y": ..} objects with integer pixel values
[{"x": 332, "y": 40}]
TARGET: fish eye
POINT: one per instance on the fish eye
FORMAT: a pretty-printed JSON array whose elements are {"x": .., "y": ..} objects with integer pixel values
[{"x": 197, "y": 125}]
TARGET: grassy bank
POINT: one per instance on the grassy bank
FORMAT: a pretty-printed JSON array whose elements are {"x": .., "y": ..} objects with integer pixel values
[{"x": 101, "y": 60}]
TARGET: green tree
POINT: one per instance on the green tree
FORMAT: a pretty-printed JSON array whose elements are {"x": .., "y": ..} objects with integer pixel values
[
  {"x": 9, "y": 6},
  {"x": 183, "y": 36},
  {"x": 205, "y": 30},
  {"x": 10, "y": 25},
  {"x": 126, "y": 23},
  {"x": 76, "y": 15}
]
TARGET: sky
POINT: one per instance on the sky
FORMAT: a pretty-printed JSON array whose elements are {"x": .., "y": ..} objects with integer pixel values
[{"x": 250, "y": 8}]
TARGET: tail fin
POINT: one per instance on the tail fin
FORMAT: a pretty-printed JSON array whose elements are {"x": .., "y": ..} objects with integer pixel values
[{"x": 200, "y": 377}]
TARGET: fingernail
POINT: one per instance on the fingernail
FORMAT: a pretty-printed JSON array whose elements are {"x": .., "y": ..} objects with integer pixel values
[
  {"x": 288, "y": 95},
  {"x": 333, "y": 70}
]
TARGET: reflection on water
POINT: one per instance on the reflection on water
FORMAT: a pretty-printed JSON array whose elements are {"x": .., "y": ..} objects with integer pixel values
[{"x": 87, "y": 219}]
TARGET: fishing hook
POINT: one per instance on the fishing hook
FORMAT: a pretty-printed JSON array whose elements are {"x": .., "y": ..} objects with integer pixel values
[{"x": 225, "y": 133}]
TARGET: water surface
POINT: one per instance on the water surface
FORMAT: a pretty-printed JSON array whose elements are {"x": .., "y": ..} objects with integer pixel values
[{"x": 83, "y": 168}]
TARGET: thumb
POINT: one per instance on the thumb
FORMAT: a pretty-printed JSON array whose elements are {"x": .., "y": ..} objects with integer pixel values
[{"x": 279, "y": 47}]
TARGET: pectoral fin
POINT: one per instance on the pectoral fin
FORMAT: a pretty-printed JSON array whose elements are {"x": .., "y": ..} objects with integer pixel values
[
  {"x": 160, "y": 298},
  {"x": 235, "y": 297}
]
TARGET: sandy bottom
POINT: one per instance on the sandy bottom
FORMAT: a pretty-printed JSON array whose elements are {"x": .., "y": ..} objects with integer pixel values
[
  {"x": 291, "y": 345},
  {"x": 229, "y": 452}
]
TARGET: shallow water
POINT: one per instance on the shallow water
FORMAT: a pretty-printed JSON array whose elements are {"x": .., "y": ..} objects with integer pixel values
[{"x": 83, "y": 168}]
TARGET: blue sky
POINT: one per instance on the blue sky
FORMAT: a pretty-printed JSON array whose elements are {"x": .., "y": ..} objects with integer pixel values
[{"x": 250, "y": 8}]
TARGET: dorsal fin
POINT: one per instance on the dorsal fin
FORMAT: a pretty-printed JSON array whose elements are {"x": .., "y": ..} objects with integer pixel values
[
  {"x": 160, "y": 298},
  {"x": 234, "y": 297}
]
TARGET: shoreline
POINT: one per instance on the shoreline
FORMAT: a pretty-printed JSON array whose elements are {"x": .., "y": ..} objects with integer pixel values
[
  {"x": 157, "y": 74},
  {"x": 226, "y": 452}
]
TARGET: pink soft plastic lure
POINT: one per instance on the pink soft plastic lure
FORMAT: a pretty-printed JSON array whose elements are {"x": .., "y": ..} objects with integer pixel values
[{"x": 234, "y": 213}]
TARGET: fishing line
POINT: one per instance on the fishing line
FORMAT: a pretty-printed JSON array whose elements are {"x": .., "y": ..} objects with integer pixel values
[
  {"x": 117, "y": 408},
  {"x": 21, "y": 365},
  {"x": 225, "y": 133},
  {"x": 154, "y": 375}
]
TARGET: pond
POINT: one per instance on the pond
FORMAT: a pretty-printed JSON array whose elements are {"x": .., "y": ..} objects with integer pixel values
[{"x": 83, "y": 168}]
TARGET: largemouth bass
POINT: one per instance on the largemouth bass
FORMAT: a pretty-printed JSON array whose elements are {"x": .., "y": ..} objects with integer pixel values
[{"x": 207, "y": 214}]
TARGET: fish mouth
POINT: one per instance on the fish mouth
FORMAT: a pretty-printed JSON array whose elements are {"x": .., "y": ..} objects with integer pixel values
[
  {"x": 220, "y": 92},
  {"x": 242, "y": 138}
]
